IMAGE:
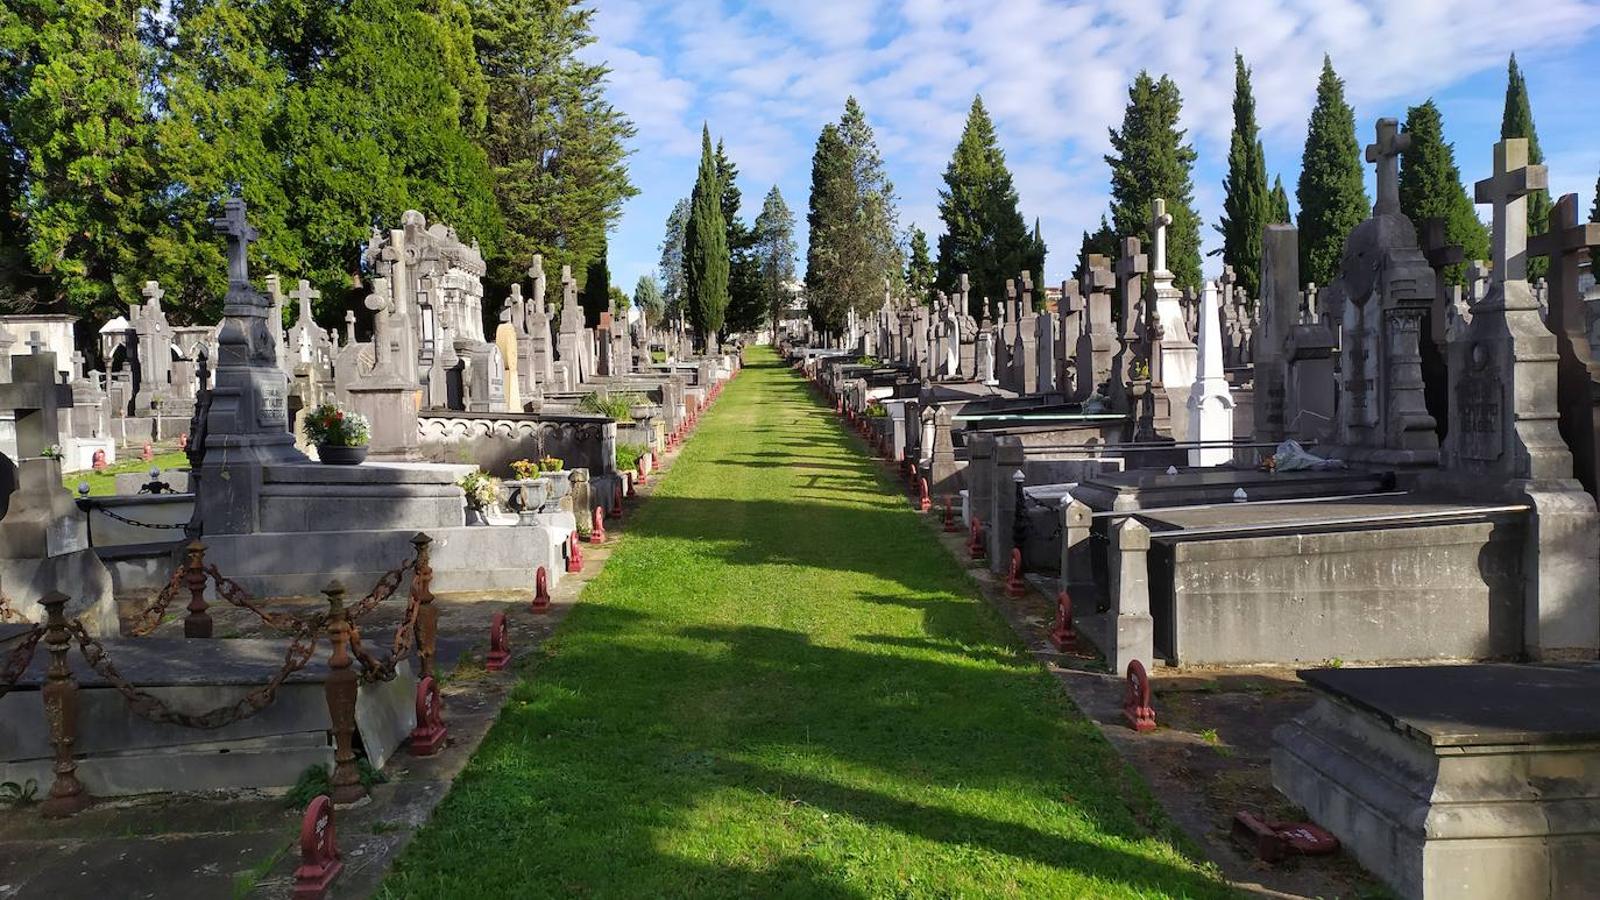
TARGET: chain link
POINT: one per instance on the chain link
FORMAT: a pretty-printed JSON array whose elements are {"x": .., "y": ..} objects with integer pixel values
[
  {"x": 231, "y": 592},
  {"x": 18, "y": 659},
  {"x": 153, "y": 708},
  {"x": 150, "y": 619},
  {"x": 405, "y": 637},
  {"x": 136, "y": 523},
  {"x": 387, "y": 584}
]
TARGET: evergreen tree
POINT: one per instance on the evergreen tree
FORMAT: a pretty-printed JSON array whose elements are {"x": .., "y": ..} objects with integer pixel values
[
  {"x": 595, "y": 298},
  {"x": 75, "y": 154},
  {"x": 1594, "y": 211},
  {"x": 1332, "y": 195},
  {"x": 745, "y": 306},
  {"x": 647, "y": 297},
  {"x": 1517, "y": 122},
  {"x": 556, "y": 148},
  {"x": 672, "y": 258},
  {"x": 985, "y": 236},
  {"x": 1278, "y": 204},
  {"x": 920, "y": 273},
  {"x": 1430, "y": 187},
  {"x": 852, "y": 247},
  {"x": 1037, "y": 251},
  {"x": 1150, "y": 160},
  {"x": 1102, "y": 242},
  {"x": 1247, "y": 201},
  {"x": 705, "y": 250},
  {"x": 619, "y": 305},
  {"x": 775, "y": 253}
]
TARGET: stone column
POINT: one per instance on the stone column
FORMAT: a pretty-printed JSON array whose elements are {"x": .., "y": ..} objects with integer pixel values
[
  {"x": 979, "y": 475},
  {"x": 1131, "y": 632},
  {"x": 1077, "y": 554},
  {"x": 1008, "y": 460}
]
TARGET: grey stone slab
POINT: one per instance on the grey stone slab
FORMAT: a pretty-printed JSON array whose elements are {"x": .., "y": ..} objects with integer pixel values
[
  {"x": 1459, "y": 706},
  {"x": 1377, "y": 511}
]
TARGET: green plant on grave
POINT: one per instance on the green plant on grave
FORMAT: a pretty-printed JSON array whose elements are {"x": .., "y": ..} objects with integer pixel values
[
  {"x": 876, "y": 411},
  {"x": 315, "y": 781},
  {"x": 628, "y": 456},
  {"x": 551, "y": 464},
  {"x": 13, "y": 794},
  {"x": 330, "y": 426},
  {"x": 584, "y": 531},
  {"x": 618, "y": 406},
  {"x": 482, "y": 491},
  {"x": 866, "y": 361},
  {"x": 525, "y": 469}
]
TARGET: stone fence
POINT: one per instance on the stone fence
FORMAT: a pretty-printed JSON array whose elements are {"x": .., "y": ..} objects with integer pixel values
[{"x": 492, "y": 441}]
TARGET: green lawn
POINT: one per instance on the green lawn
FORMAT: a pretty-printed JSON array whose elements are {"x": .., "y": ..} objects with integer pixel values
[
  {"x": 104, "y": 482},
  {"x": 782, "y": 685}
]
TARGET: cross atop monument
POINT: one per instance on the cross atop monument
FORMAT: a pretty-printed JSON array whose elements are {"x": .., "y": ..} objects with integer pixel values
[
  {"x": 35, "y": 343},
  {"x": 349, "y": 326},
  {"x": 536, "y": 269},
  {"x": 1514, "y": 179},
  {"x": 1386, "y": 153},
  {"x": 241, "y": 235},
  {"x": 1159, "y": 220},
  {"x": 1130, "y": 266},
  {"x": 304, "y": 293},
  {"x": 153, "y": 293},
  {"x": 1436, "y": 246}
]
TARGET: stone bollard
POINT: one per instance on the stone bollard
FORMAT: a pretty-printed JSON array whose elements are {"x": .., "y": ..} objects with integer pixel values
[
  {"x": 950, "y": 516},
  {"x": 597, "y": 528},
  {"x": 1132, "y": 635},
  {"x": 340, "y": 690},
  {"x": 1136, "y": 708},
  {"x": 198, "y": 623},
  {"x": 319, "y": 852},
  {"x": 1077, "y": 551},
  {"x": 640, "y": 476},
  {"x": 1064, "y": 635},
  {"x": 499, "y": 644},
  {"x": 616, "y": 503},
  {"x": 541, "y": 591},
  {"x": 977, "y": 547},
  {"x": 574, "y": 553},
  {"x": 1015, "y": 586},
  {"x": 60, "y": 696},
  {"x": 427, "y": 626}
]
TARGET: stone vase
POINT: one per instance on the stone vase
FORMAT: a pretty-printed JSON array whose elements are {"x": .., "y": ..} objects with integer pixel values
[{"x": 341, "y": 456}]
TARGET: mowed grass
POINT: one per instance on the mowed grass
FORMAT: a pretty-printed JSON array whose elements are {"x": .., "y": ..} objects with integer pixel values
[{"x": 782, "y": 686}]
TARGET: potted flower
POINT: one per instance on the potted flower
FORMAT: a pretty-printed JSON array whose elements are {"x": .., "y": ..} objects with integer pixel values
[
  {"x": 525, "y": 469},
  {"x": 482, "y": 492},
  {"x": 340, "y": 437},
  {"x": 554, "y": 469},
  {"x": 549, "y": 464}
]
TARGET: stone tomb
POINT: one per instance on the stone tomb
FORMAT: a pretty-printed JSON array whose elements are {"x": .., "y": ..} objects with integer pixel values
[{"x": 1454, "y": 782}]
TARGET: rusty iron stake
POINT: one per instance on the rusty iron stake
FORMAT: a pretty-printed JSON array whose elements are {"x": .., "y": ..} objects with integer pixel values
[
  {"x": 198, "y": 623},
  {"x": 60, "y": 695},
  {"x": 345, "y": 782},
  {"x": 427, "y": 613}
]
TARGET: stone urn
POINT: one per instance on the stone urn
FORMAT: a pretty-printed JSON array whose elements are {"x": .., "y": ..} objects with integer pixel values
[
  {"x": 331, "y": 455},
  {"x": 560, "y": 483}
]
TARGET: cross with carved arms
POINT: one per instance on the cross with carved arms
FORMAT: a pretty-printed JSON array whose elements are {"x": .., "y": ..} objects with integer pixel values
[
  {"x": 240, "y": 235},
  {"x": 1159, "y": 220},
  {"x": 1514, "y": 179},
  {"x": 304, "y": 293},
  {"x": 1386, "y": 153},
  {"x": 152, "y": 292}
]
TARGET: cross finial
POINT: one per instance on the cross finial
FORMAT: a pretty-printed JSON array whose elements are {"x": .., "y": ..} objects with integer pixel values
[
  {"x": 304, "y": 293},
  {"x": 1159, "y": 220},
  {"x": 1514, "y": 179},
  {"x": 1386, "y": 153},
  {"x": 536, "y": 270},
  {"x": 240, "y": 235},
  {"x": 35, "y": 342},
  {"x": 152, "y": 292}
]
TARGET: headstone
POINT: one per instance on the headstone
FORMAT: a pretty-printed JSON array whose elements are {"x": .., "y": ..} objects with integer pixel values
[
  {"x": 1098, "y": 344},
  {"x": 509, "y": 340},
  {"x": 1068, "y": 332},
  {"x": 1131, "y": 266},
  {"x": 1280, "y": 315},
  {"x": 153, "y": 369},
  {"x": 1578, "y": 371},
  {"x": 1175, "y": 372},
  {"x": 1210, "y": 401}
]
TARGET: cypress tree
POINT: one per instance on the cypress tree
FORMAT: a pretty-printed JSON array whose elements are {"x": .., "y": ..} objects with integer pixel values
[
  {"x": 876, "y": 250},
  {"x": 831, "y": 204},
  {"x": 1247, "y": 201},
  {"x": 1430, "y": 187},
  {"x": 705, "y": 250},
  {"x": 1332, "y": 195},
  {"x": 1036, "y": 254},
  {"x": 596, "y": 295},
  {"x": 672, "y": 258},
  {"x": 1278, "y": 203},
  {"x": 1103, "y": 242},
  {"x": 75, "y": 154},
  {"x": 647, "y": 297},
  {"x": 1517, "y": 122},
  {"x": 985, "y": 236},
  {"x": 775, "y": 252},
  {"x": 852, "y": 247},
  {"x": 920, "y": 272},
  {"x": 1594, "y": 211},
  {"x": 745, "y": 307},
  {"x": 1150, "y": 160}
]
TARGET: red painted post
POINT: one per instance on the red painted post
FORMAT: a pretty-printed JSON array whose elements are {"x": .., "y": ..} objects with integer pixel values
[
  {"x": 320, "y": 861},
  {"x": 640, "y": 475},
  {"x": 574, "y": 553},
  {"x": 429, "y": 735},
  {"x": 597, "y": 528},
  {"x": 1015, "y": 587},
  {"x": 99, "y": 460},
  {"x": 340, "y": 690},
  {"x": 926, "y": 502},
  {"x": 541, "y": 591},
  {"x": 950, "y": 516},
  {"x": 197, "y": 624},
  {"x": 616, "y": 501},
  {"x": 1064, "y": 635},
  {"x": 975, "y": 544},
  {"x": 1136, "y": 700},
  {"x": 499, "y": 644},
  {"x": 148, "y": 453}
]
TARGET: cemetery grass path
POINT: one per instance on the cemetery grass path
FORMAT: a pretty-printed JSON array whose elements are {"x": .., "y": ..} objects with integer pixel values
[{"x": 783, "y": 686}]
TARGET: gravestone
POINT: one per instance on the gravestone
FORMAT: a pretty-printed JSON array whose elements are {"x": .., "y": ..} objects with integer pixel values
[
  {"x": 1434, "y": 344},
  {"x": 153, "y": 365},
  {"x": 509, "y": 341},
  {"x": 1172, "y": 369},
  {"x": 1210, "y": 401},
  {"x": 1068, "y": 332},
  {"x": 386, "y": 395},
  {"x": 1025, "y": 351},
  {"x": 1097, "y": 345},
  {"x": 1578, "y": 371},
  {"x": 1280, "y": 315},
  {"x": 538, "y": 327},
  {"x": 1131, "y": 266}
]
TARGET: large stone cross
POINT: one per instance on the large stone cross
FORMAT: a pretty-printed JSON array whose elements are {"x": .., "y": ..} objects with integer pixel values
[
  {"x": 1159, "y": 220},
  {"x": 1130, "y": 266},
  {"x": 379, "y": 301},
  {"x": 152, "y": 293},
  {"x": 1386, "y": 153},
  {"x": 1564, "y": 242},
  {"x": 303, "y": 294},
  {"x": 240, "y": 236},
  {"x": 35, "y": 343},
  {"x": 1514, "y": 179}
]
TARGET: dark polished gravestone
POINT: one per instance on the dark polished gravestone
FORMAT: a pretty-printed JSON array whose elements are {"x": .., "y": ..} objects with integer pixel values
[{"x": 1455, "y": 781}]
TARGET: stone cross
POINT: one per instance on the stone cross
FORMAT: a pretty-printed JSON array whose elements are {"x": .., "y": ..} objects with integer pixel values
[
  {"x": 1513, "y": 180},
  {"x": 241, "y": 234},
  {"x": 304, "y": 293},
  {"x": 1386, "y": 153},
  {"x": 349, "y": 326},
  {"x": 1130, "y": 266},
  {"x": 153, "y": 293},
  {"x": 35, "y": 343},
  {"x": 1308, "y": 313},
  {"x": 1159, "y": 220},
  {"x": 379, "y": 301}
]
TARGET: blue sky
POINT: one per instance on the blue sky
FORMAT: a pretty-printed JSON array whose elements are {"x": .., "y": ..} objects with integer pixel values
[{"x": 768, "y": 74}]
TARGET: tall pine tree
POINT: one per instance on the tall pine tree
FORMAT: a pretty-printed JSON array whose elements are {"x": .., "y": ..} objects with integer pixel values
[
  {"x": 672, "y": 258},
  {"x": 829, "y": 210},
  {"x": 775, "y": 253},
  {"x": 1149, "y": 160},
  {"x": 75, "y": 154},
  {"x": 1430, "y": 187},
  {"x": 705, "y": 250},
  {"x": 1332, "y": 195},
  {"x": 920, "y": 273},
  {"x": 1246, "y": 201},
  {"x": 1517, "y": 122},
  {"x": 1278, "y": 203},
  {"x": 852, "y": 248},
  {"x": 985, "y": 236}
]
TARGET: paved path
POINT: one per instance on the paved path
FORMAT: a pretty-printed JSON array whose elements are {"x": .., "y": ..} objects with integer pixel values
[{"x": 781, "y": 685}]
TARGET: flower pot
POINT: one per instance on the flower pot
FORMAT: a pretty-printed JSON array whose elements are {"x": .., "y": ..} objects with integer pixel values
[
  {"x": 476, "y": 517},
  {"x": 341, "y": 456}
]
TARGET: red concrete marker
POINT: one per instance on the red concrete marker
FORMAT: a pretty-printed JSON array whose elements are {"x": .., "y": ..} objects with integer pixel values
[
  {"x": 99, "y": 460},
  {"x": 1272, "y": 841},
  {"x": 950, "y": 515},
  {"x": 1136, "y": 701},
  {"x": 597, "y": 528},
  {"x": 541, "y": 591},
  {"x": 499, "y": 644},
  {"x": 574, "y": 553},
  {"x": 429, "y": 735},
  {"x": 319, "y": 852},
  {"x": 975, "y": 544},
  {"x": 1064, "y": 636},
  {"x": 640, "y": 476},
  {"x": 925, "y": 502},
  {"x": 1015, "y": 587},
  {"x": 616, "y": 502},
  {"x": 148, "y": 453}
]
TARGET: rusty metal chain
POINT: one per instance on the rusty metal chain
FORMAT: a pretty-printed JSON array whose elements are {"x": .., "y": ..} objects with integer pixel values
[
  {"x": 387, "y": 584},
  {"x": 149, "y": 620},
  {"x": 405, "y": 637},
  {"x": 18, "y": 659},
  {"x": 138, "y": 524},
  {"x": 231, "y": 592},
  {"x": 151, "y": 707}
]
